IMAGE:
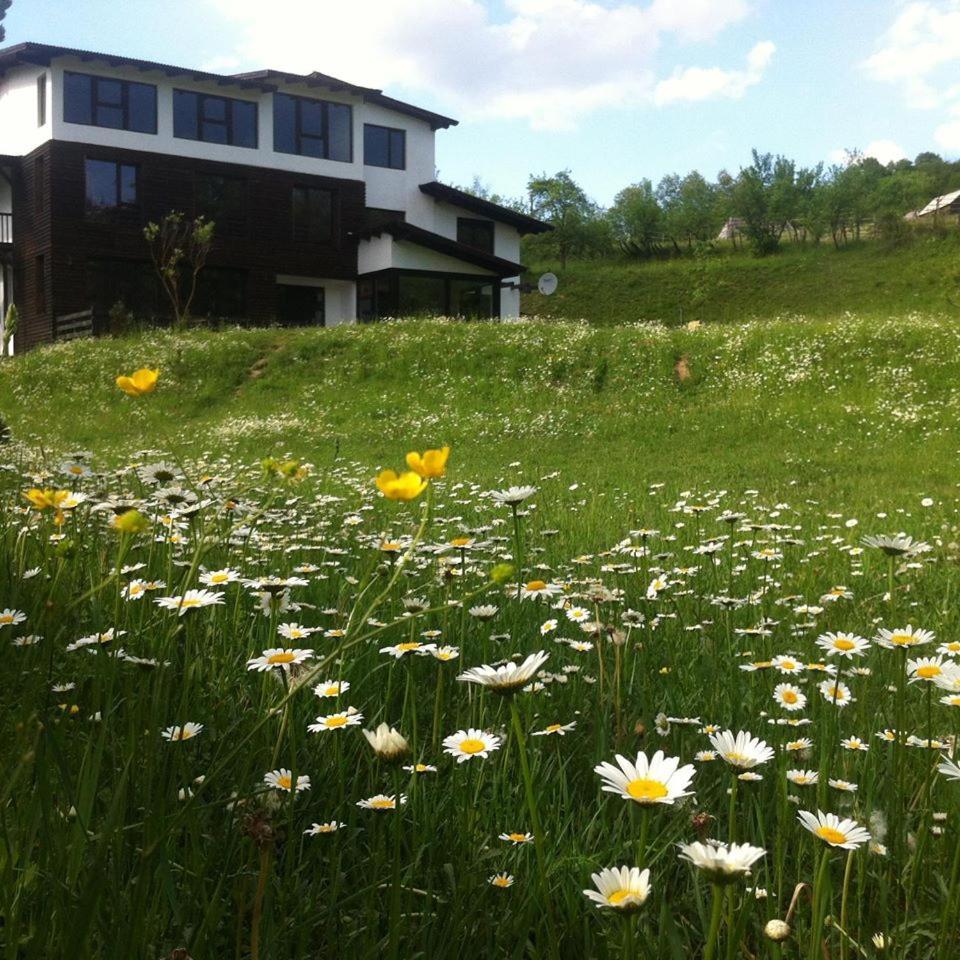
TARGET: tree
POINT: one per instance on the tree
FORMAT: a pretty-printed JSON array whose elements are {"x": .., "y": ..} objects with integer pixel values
[
  {"x": 563, "y": 204},
  {"x": 4, "y": 7},
  {"x": 635, "y": 219},
  {"x": 10, "y": 323},
  {"x": 753, "y": 196},
  {"x": 179, "y": 248}
]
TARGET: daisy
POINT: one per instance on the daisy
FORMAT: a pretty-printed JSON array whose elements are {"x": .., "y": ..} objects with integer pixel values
[
  {"x": 949, "y": 769},
  {"x": 622, "y": 888},
  {"x": 895, "y": 546},
  {"x": 293, "y": 631},
  {"x": 484, "y": 612},
  {"x": 386, "y": 742},
  {"x": 660, "y": 779},
  {"x": 10, "y": 617},
  {"x": 743, "y": 750},
  {"x": 784, "y": 664},
  {"x": 445, "y": 654},
  {"x": 534, "y": 589},
  {"x": 902, "y": 637},
  {"x": 512, "y": 496},
  {"x": 217, "y": 578},
  {"x": 854, "y": 743},
  {"x": 336, "y": 721},
  {"x": 191, "y": 600},
  {"x": 409, "y": 646},
  {"x": 186, "y": 732},
  {"x": 507, "y": 677},
  {"x": 467, "y": 744},
  {"x": 789, "y": 696},
  {"x": 950, "y": 648},
  {"x": 501, "y": 880},
  {"x": 382, "y": 802},
  {"x": 843, "y": 644},
  {"x": 929, "y": 668},
  {"x": 560, "y": 729},
  {"x": 282, "y": 779},
  {"x": 517, "y": 838},
  {"x": 278, "y": 657},
  {"x": 720, "y": 862},
  {"x": 835, "y": 692},
  {"x": 803, "y": 778},
  {"x": 420, "y": 768},
  {"x": 316, "y": 829},
  {"x": 331, "y": 688},
  {"x": 578, "y": 614},
  {"x": 844, "y": 785},
  {"x": 847, "y": 834}
]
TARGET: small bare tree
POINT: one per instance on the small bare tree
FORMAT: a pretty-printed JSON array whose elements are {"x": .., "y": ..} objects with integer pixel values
[
  {"x": 9, "y": 327},
  {"x": 179, "y": 248}
]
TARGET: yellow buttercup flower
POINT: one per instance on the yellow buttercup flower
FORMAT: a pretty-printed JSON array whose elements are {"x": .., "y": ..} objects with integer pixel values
[
  {"x": 131, "y": 521},
  {"x": 46, "y": 499},
  {"x": 402, "y": 486},
  {"x": 140, "y": 382},
  {"x": 432, "y": 464}
]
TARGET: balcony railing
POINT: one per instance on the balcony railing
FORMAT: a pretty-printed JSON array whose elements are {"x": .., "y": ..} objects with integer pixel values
[{"x": 6, "y": 228}]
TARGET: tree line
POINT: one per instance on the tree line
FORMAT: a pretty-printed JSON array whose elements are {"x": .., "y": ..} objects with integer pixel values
[{"x": 771, "y": 200}]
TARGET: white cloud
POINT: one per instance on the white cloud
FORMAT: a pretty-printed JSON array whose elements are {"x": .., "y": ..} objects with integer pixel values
[
  {"x": 947, "y": 134},
  {"x": 699, "y": 83},
  {"x": 549, "y": 62},
  {"x": 885, "y": 151}
]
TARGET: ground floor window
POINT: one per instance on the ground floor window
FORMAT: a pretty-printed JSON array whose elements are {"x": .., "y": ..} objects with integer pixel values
[
  {"x": 417, "y": 293},
  {"x": 300, "y": 306}
]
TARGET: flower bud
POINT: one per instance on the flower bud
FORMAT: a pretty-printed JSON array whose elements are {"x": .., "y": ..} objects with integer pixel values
[
  {"x": 777, "y": 930},
  {"x": 387, "y": 743}
]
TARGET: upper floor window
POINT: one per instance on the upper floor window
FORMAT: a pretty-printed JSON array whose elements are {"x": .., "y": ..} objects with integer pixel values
[
  {"x": 312, "y": 128},
  {"x": 312, "y": 214},
  {"x": 475, "y": 233},
  {"x": 105, "y": 102},
  {"x": 384, "y": 147},
  {"x": 41, "y": 100},
  {"x": 200, "y": 116},
  {"x": 110, "y": 185}
]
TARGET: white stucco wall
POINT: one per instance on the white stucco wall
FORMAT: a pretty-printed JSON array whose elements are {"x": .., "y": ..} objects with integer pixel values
[{"x": 19, "y": 131}]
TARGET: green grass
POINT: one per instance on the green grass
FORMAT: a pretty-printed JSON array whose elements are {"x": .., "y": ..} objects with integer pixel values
[
  {"x": 119, "y": 844},
  {"x": 868, "y": 278}
]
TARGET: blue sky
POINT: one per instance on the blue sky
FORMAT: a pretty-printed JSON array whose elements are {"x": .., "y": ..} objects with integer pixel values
[{"x": 614, "y": 90}]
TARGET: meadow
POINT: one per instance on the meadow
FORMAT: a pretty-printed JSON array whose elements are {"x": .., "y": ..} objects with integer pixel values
[{"x": 214, "y": 592}]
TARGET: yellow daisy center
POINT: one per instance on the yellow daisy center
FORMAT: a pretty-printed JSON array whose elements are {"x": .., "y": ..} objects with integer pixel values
[
  {"x": 618, "y": 896},
  {"x": 931, "y": 670},
  {"x": 645, "y": 789},
  {"x": 517, "y": 837},
  {"x": 901, "y": 639},
  {"x": 472, "y": 745},
  {"x": 788, "y": 696},
  {"x": 218, "y": 578},
  {"x": 285, "y": 657},
  {"x": 734, "y": 757},
  {"x": 385, "y": 804},
  {"x": 536, "y": 585},
  {"x": 460, "y": 542},
  {"x": 284, "y": 782},
  {"x": 6, "y": 618},
  {"x": 409, "y": 645},
  {"x": 831, "y": 835},
  {"x": 501, "y": 882},
  {"x": 190, "y": 602},
  {"x": 335, "y": 722},
  {"x": 842, "y": 643}
]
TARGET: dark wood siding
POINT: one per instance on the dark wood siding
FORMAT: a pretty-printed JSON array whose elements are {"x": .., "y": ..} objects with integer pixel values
[{"x": 54, "y": 224}]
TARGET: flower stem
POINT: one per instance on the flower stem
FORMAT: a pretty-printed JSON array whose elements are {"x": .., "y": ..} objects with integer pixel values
[{"x": 716, "y": 912}]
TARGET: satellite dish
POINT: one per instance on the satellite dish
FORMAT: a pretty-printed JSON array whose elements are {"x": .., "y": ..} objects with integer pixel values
[{"x": 547, "y": 284}]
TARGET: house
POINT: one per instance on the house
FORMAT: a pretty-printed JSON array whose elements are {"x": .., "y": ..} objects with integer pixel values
[
  {"x": 324, "y": 196},
  {"x": 946, "y": 205}
]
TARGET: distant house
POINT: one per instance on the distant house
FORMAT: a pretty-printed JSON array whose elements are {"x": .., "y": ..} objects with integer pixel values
[
  {"x": 946, "y": 205},
  {"x": 323, "y": 193},
  {"x": 732, "y": 229}
]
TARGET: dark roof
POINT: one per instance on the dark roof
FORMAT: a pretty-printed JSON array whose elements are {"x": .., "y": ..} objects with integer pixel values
[
  {"x": 265, "y": 80},
  {"x": 401, "y": 230},
  {"x": 494, "y": 211}
]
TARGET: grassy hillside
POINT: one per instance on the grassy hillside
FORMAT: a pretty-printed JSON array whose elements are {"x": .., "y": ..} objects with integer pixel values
[
  {"x": 823, "y": 408},
  {"x": 819, "y": 282}
]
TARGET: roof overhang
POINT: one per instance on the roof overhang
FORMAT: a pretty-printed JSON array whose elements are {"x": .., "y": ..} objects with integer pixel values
[
  {"x": 484, "y": 208},
  {"x": 401, "y": 230}
]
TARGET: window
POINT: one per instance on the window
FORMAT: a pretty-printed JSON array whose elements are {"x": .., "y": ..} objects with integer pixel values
[
  {"x": 222, "y": 200},
  {"x": 312, "y": 128},
  {"x": 475, "y": 233},
  {"x": 199, "y": 116},
  {"x": 105, "y": 102},
  {"x": 421, "y": 295},
  {"x": 41, "y": 100},
  {"x": 384, "y": 147},
  {"x": 111, "y": 185},
  {"x": 312, "y": 214},
  {"x": 40, "y": 282},
  {"x": 221, "y": 294}
]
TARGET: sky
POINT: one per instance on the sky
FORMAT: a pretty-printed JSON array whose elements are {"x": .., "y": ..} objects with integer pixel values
[{"x": 613, "y": 90}]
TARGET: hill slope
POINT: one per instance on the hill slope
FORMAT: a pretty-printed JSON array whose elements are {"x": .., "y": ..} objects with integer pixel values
[
  {"x": 812, "y": 281},
  {"x": 826, "y": 409}
]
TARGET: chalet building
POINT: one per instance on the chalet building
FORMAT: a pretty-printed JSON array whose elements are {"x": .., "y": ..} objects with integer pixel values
[{"x": 323, "y": 193}]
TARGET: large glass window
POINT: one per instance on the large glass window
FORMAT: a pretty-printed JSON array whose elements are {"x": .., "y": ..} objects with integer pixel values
[
  {"x": 110, "y": 185},
  {"x": 475, "y": 233},
  {"x": 312, "y": 128},
  {"x": 105, "y": 102},
  {"x": 313, "y": 214},
  {"x": 200, "y": 116},
  {"x": 420, "y": 295},
  {"x": 222, "y": 200},
  {"x": 384, "y": 147},
  {"x": 471, "y": 298}
]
